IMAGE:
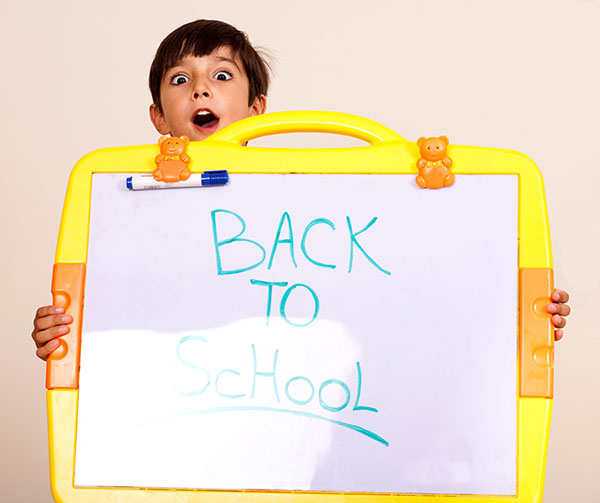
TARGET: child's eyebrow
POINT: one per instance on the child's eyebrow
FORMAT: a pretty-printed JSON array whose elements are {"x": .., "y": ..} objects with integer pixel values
[
  {"x": 176, "y": 66},
  {"x": 223, "y": 58}
]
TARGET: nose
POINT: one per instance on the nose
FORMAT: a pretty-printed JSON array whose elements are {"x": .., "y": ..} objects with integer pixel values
[{"x": 201, "y": 89}]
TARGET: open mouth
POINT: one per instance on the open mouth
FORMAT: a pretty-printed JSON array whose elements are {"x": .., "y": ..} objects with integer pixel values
[{"x": 205, "y": 119}]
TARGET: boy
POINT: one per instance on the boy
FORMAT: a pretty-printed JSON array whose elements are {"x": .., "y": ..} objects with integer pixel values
[{"x": 205, "y": 76}]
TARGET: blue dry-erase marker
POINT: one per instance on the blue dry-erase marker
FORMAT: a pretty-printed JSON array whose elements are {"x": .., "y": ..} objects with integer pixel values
[{"x": 206, "y": 179}]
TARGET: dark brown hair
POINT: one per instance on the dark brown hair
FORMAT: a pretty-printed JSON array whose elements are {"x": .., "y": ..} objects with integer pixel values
[{"x": 201, "y": 38}]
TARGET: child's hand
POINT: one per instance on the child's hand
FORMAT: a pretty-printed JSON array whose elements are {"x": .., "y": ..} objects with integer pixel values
[
  {"x": 50, "y": 322},
  {"x": 559, "y": 309}
]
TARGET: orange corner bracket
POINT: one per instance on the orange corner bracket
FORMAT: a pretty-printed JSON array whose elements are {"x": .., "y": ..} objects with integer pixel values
[
  {"x": 536, "y": 345},
  {"x": 62, "y": 368}
]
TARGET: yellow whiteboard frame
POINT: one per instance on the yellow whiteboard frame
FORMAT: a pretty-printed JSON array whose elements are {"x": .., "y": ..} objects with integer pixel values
[{"x": 224, "y": 150}]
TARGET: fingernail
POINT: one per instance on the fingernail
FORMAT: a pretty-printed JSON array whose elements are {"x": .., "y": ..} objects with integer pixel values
[
  {"x": 63, "y": 330},
  {"x": 552, "y": 308},
  {"x": 59, "y": 310},
  {"x": 53, "y": 344},
  {"x": 67, "y": 318}
]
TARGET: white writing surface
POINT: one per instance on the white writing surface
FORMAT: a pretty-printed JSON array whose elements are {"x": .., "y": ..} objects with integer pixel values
[{"x": 347, "y": 333}]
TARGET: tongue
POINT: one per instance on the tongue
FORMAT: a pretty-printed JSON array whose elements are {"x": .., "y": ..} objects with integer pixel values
[
  {"x": 211, "y": 123},
  {"x": 207, "y": 121}
]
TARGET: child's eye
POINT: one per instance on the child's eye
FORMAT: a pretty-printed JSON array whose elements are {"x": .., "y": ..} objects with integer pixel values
[
  {"x": 179, "y": 79},
  {"x": 222, "y": 75}
]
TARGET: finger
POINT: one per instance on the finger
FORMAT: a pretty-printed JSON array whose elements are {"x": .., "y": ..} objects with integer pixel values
[
  {"x": 562, "y": 309},
  {"x": 52, "y": 320},
  {"x": 558, "y": 321},
  {"x": 560, "y": 296},
  {"x": 44, "y": 336},
  {"x": 48, "y": 310},
  {"x": 558, "y": 335},
  {"x": 44, "y": 351}
]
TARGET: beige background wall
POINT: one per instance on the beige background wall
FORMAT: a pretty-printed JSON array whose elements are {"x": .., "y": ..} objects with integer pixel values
[{"x": 521, "y": 75}]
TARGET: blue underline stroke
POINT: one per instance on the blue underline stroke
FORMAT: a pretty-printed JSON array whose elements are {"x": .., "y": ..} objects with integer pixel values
[{"x": 354, "y": 427}]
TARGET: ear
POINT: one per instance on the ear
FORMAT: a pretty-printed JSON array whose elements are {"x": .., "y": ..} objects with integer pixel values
[
  {"x": 161, "y": 139},
  {"x": 158, "y": 120},
  {"x": 259, "y": 106},
  {"x": 444, "y": 139},
  {"x": 420, "y": 141},
  {"x": 184, "y": 139}
]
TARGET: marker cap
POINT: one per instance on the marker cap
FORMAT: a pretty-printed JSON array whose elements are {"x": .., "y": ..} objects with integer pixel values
[{"x": 217, "y": 177}]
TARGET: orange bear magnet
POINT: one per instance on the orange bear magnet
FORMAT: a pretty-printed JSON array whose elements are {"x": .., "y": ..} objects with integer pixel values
[
  {"x": 171, "y": 163},
  {"x": 434, "y": 164}
]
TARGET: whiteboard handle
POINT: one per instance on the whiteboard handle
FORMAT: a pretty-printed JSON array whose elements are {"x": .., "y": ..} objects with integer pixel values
[{"x": 306, "y": 122}]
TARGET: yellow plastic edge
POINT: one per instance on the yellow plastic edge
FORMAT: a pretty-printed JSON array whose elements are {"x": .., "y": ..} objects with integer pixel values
[{"x": 533, "y": 430}]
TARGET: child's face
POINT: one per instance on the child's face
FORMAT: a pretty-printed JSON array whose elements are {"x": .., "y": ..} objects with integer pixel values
[{"x": 201, "y": 95}]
